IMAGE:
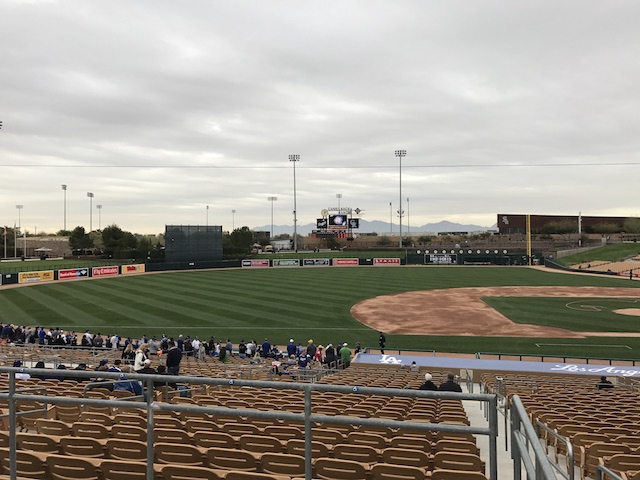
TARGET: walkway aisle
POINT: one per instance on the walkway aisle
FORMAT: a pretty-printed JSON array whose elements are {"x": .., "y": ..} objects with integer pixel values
[{"x": 476, "y": 417}]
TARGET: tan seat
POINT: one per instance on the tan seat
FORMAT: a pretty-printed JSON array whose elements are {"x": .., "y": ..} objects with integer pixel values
[
  {"x": 357, "y": 453},
  {"x": 95, "y": 417},
  {"x": 91, "y": 430},
  {"x": 193, "y": 425},
  {"x": 123, "y": 470},
  {"x": 443, "y": 474},
  {"x": 171, "y": 435},
  {"x": 297, "y": 447},
  {"x": 52, "y": 427},
  {"x": 228, "y": 459},
  {"x": 283, "y": 464},
  {"x": 370, "y": 439},
  {"x": 83, "y": 447},
  {"x": 62, "y": 467},
  {"x": 254, "y": 476},
  {"x": 405, "y": 456},
  {"x": 187, "y": 472},
  {"x": 598, "y": 450},
  {"x": 128, "y": 450},
  {"x": 165, "y": 421},
  {"x": 458, "y": 461},
  {"x": 129, "y": 419},
  {"x": 129, "y": 432},
  {"x": 213, "y": 439},
  {"x": 37, "y": 443},
  {"x": 256, "y": 443},
  {"x": 335, "y": 469},
  {"x": 384, "y": 471},
  {"x": 181, "y": 454},
  {"x": 411, "y": 443},
  {"x": 28, "y": 464},
  {"x": 68, "y": 413},
  {"x": 284, "y": 432}
]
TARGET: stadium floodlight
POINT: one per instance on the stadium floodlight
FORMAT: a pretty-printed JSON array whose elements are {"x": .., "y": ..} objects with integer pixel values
[
  {"x": 408, "y": 218},
  {"x": 207, "y": 216},
  {"x": 295, "y": 159},
  {"x": 15, "y": 241},
  {"x": 400, "y": 154},
  {"x": 390, "y": 218},
  {"x": 339, "y": 197},
  {"x": 99, "y": 207},
  {"x": 64, "y": 207},
  {"x": 233, "y": 220},
  {"x": 272, "y": 199},
  {"x": 90, "y": 195}
]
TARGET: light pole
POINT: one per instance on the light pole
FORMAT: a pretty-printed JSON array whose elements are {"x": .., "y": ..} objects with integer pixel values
[
  {"x": 295, "y": 159},
  {"x": 390, "y": 219},
  {"x": 64, "y": 207},
  {"x": 233, "y": 220},
  {"x": 90, "y": 195},
  {"x": 15, "y": 238},
  {"x": 272, "y": 199},
  {"x": 207, "y": 216},
  {"x": 339, "y": 196},
  {"x": 400, "y": 154},
  {"x": 99, "y": 207},
  {"x": 408, "y": 218}
]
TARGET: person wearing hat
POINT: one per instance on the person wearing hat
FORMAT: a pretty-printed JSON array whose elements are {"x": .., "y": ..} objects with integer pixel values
[
  {"x": 358, "y": 349},
  {"x": 345, "y": 355},
  {"x": 329, "y": 355},
  {"x": 242, "y": 349},
  {"x": 20, "y": 375},
  {"x": 291, "y": 348},
  {"x": 428, "y": 384},
  {"x": 318, "y": 356},
  {"x": 311, "y": 348}
]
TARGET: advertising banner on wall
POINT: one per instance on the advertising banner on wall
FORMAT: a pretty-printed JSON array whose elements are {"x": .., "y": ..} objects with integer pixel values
[
  {"x": 255, "y": 263},
  {"x": 33, "y": 277},
  {"x": 104, "y": 271},
  {"x": 386, "y": 261},
  {"x": 73, "y": 273},
  {"x": 129, "y": 269},
  {"x": 441, "y": 259},
  {"x": 345, "y": 262},
  {"x": 316, "y": 262},
  {"x": 286, "y": 263}
]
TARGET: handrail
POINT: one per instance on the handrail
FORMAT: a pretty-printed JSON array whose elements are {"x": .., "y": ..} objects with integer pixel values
[
  {"x": 523, "y": 435},
  {"x": 601, "y": 470},
  {"x": 400, "y": 350},
  {"x": 571, "y": 473},
  {"x": 307, "y": 417},
  {"x": 564, "y": 357}
]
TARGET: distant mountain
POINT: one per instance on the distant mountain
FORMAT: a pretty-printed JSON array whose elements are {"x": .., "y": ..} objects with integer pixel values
[{"x": 383, "y": 228}]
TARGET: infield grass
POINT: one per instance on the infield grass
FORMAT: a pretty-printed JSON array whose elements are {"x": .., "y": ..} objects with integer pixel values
[{"x": 283, "y": 303}]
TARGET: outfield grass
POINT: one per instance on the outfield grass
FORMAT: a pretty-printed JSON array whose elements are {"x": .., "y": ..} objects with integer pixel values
[
  {"x": 280, "y": 303},
  {"x": 608, "y": 253}
]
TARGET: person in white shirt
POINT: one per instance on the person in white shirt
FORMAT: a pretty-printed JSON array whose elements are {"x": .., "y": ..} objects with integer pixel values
[{"x": 114, "y": 341}]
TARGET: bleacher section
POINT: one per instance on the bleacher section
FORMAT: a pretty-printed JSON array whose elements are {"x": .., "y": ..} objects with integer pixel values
[{"x": 90, "y": 442}]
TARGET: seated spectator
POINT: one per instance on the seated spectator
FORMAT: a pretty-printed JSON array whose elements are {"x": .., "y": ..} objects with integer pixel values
[
  {"x": 604, "y": 383},
  {"x": 141, "y": 358},
  {"x": 128, "y": 385},
  {"x": 128, "y": 354},
  {"x": 450, "y": 385},
  {"x": 222, "y": 356},
  {"x": 20, "y": 375},
  {"x": 428, "y": 384},
  {"x": 40, "y": 364},
  {"x": 414, "y": 367},
  {"x": 242, "y": 349}
]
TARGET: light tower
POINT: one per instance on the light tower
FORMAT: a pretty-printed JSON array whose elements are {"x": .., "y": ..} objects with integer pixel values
[
  {"x": 272, "y": 199},
  {"x": 400, "y": 154},
  {"x": 64, "y": 207},
  {"x": 295, "y": 159},
  {"x": 90, "y": 195},
  {"x": 99, "y": 207}
]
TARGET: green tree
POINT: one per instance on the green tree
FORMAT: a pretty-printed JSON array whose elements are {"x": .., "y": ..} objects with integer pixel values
[
  {"x": 632, "y": 225},
  {"x": 384, "y": 241},
  {"x": 79, "y": 239},
  {"x": 116, "y": 239}
]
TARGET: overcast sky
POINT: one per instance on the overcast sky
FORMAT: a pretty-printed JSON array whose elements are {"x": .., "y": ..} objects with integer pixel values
[{"x": 161, "y": 108}]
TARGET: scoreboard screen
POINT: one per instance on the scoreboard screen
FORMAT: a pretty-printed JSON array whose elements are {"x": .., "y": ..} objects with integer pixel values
[{"x": 338, "y": 221}]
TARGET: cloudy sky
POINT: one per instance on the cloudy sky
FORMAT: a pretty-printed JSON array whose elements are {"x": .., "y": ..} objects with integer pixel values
[{"x": 161, "y": 108}]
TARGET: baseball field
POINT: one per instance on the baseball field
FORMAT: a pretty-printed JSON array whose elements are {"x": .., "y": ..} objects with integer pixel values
[{"x": 447, "y": 309}]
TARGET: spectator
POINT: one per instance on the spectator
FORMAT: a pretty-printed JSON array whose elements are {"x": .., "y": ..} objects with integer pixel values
[
  {"x": 174, "y": 356},
  {"x": 358, "y": 349},
  {"x": 115, "y": 342},
  {"x": 329, "y": 355},
  {"x": 223, "y": 355},
  {"x": 154, "y": 346},
  {"x": 291, "y": 348},
  {"x": 196, "y": 347},
  {"x": 141, "y": 360},
  {"x": 345, "y": 355},
  {"x": 318, "y": 356},
  {"x": 128, "y": 354},
  {"x": 428, "y": 384},
  {"x": 242, "y": 350},
  {"x": 604, "y": 383},
  {"x": 304, "y": 360},
  {"x": 450, "y": 385},
  {"x": 180, "y": 343},
  {"x": 229, "y": 347},
  {"x": 414, "y": 367},
  {"x": 266, "y": 347},
  {"x": 311, "y": 348},
  {"x": 382, "y": 341}
]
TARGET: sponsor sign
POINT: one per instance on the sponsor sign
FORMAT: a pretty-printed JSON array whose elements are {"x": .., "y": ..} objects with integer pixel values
[
  {"x": 32, "y": 277},
  {"x": 73, "y": 273},
  {"x": 286, "y": 263},
  {"x": 322, "y": 223},
  {"x": 255, "y": 263},
  {"x": 316, "y": 262},
  {"x": 354, "y": 223},
  {"x": 129, "y": 269},
  {"x": 104, "y": 271},
  {"x": 386, "y": 261},
  {"x": 441, "y": 259},
  {"x": 345, "y": 262}
]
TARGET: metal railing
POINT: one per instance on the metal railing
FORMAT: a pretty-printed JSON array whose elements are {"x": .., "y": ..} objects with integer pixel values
[
  {"x": 524, "y": 442},
  {"x": 564, "y": 358},
  {"x": 603, "y": 472},
  {"x": 399, "y": 350},
  {"x": 307, "y": 418},
  {"x": 570, "y": 473}
]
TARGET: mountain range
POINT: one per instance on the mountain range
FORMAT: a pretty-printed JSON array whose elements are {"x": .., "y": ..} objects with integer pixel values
[{"x": 382, "y": 228}]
